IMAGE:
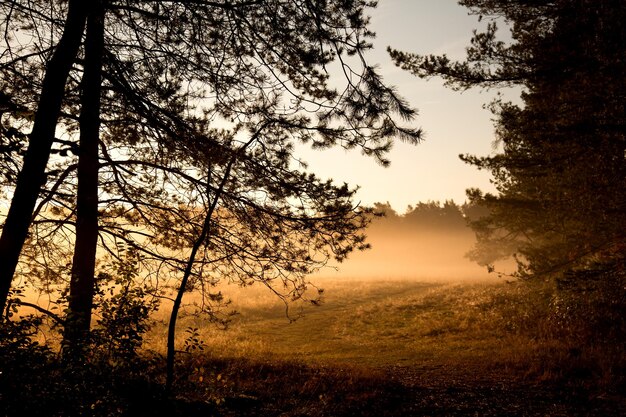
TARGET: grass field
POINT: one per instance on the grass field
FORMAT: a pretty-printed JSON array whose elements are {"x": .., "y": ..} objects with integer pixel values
[
  {"x": 431, "y": 348},
  {"x": 383, "y": 324},
  {"x": 371, "y": 323},
  {"x": 370, "y": 348}
]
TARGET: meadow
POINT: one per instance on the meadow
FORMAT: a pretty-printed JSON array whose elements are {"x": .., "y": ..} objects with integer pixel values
[
  {"x": 391, "y": 347},
  {"x": 374, "y": 323},
  {"x": 410, "y": 328},
  {"x": 368, "y": 347}
]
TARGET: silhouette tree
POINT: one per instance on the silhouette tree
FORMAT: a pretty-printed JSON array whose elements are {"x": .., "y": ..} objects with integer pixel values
[
  {"x": 185, "y": 85},
  {"x": 32, "y": 173},
  {"x": 82, "y": 285},
  {"x": 560, "y": 174}
]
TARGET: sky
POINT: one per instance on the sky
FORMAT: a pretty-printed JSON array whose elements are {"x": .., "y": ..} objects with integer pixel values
[{"x": 454, "y": 122}]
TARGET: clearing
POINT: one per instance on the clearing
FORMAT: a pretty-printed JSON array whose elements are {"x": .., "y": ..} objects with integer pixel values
[{"x": 386, "y": 348}]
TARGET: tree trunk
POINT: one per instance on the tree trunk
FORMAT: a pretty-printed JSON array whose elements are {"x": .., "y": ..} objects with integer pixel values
[
  {"x": 82, "y": 284},
  {"x": 171, "y": 331},
  {"x": 32, "y": 176}
]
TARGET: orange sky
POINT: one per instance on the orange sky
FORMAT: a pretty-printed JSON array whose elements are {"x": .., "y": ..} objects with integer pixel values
[{"x": 454, "y": 122}]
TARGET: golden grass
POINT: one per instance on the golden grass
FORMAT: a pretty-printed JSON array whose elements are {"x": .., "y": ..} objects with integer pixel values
[{"x": 373, "y": 324}]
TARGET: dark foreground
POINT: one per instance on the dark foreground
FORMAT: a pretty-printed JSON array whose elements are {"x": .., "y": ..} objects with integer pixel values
[
  {"x": 404, "y": 349},
  {"x": 294, "y": 391},
  {"x": 240, "y": 388}
]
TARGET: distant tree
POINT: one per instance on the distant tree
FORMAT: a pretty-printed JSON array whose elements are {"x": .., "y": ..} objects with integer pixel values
[
  {"x": 184, "y": 86},
  {"x": 430, "y": 216},
  {"x": 436, "y": 215},
  {"x": 560, "y": 176}
]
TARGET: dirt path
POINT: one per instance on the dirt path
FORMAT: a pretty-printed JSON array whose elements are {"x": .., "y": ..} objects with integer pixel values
[{"x": 445, "y": 391}]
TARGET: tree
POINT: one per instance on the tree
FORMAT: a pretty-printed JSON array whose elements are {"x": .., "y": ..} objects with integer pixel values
[
  {"x": 82, "y": 285},
  {"x": 32, "y": 174},
  {"x": 185, "y": 85},
  {"x": 560, "y": 175}
]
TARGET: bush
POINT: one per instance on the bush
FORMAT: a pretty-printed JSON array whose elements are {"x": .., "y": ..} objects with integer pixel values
[
  {"x": 590, "y": 304},
  {"x": 124, "y": 306},
  {"x": 109, "y": 380},
  {"x": 576, "y": 322}
]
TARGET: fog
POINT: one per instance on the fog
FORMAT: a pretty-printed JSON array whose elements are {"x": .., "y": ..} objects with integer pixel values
[
  {"x": 429, "y": 242},
  {"x": 427, "y": 255}
]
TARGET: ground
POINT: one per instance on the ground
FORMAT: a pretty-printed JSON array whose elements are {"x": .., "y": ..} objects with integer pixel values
[
  {"x": 369, "y": 348},
  {"x": 393, "y": 348},
  {"x": 291, "y": 391}
]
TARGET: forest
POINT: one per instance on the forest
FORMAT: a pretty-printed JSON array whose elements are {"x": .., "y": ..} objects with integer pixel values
[{"x": 165, "y": 249}]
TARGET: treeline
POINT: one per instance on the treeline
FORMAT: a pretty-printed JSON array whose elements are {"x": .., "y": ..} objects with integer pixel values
[
  {"x": 427, "y": 216},
  {"x": 430, "y": 240}
]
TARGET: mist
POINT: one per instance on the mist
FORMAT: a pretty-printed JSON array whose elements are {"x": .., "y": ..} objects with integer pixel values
[{"x": 428, "y": 242}]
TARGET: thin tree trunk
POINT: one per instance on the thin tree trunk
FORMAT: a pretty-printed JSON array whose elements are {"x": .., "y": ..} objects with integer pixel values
[
  {"x": 171, "y": 331},
  {"x": 32, "y": 176},
  {"x": 82, "y": 284}
]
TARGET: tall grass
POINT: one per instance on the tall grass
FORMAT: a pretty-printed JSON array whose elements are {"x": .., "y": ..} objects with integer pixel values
[
  {"x": 349, "y": 352},
  {"x": 490, "y": 326}
]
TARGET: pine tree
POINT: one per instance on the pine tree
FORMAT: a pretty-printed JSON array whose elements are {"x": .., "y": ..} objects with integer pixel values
[
  {"x": 561, "y": 173},
  {"x": 184, "y": 86},
  {"x": 46, "y": 112}
]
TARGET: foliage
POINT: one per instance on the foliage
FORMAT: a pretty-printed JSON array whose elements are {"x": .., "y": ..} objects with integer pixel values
[
  {"x": 186, "y": 111},
  {"x": 112, "y": 374},
  {"x": 124, "y": 307},
  {"x": 17, "y": 342},
  {"x": 23, "y": 366},
  {"x": 560, "y": 206},
  {"x": 423, "y": 216},
  {"x": 589, "y": 306},
  {"x": 560, "y": 173},
  {"x": 36, "y": 381},
  {"x": 192, "y": 340}
]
